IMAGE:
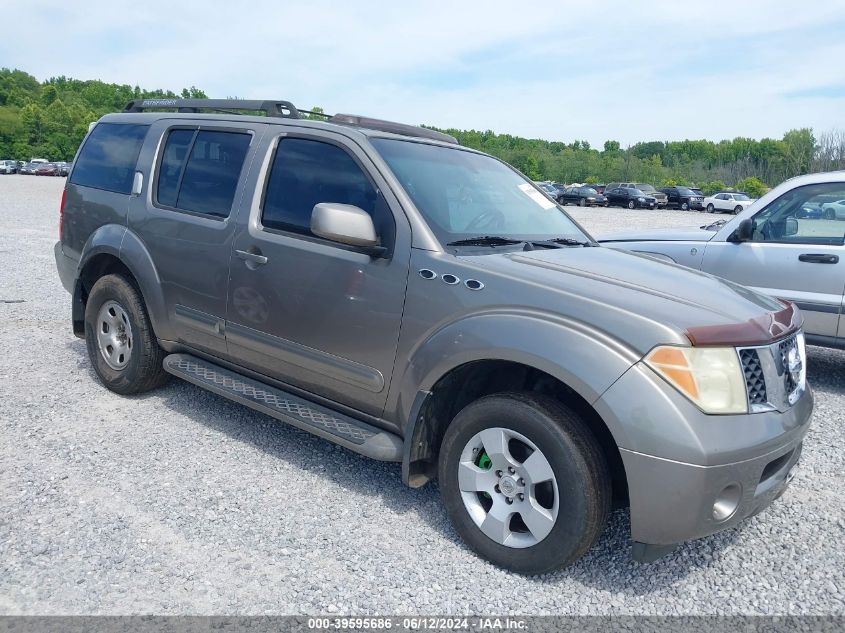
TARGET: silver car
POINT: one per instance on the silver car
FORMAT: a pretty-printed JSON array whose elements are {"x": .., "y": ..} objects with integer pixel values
[{"x": 783, "y": 245}]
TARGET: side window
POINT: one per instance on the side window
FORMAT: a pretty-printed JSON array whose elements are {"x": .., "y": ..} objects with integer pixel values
[
  {"x": 107, "y": 160},
  {"x": 814, "y": 214},
  {"x": 199, "y": 170},
  {"x": 305, "y": 173}
]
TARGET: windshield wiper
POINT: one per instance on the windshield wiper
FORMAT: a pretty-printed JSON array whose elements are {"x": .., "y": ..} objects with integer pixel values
[
  {"x": 563, "y": 241},
  {"x": 715, "y": 225},
  {"x": 485, "y": 240}
]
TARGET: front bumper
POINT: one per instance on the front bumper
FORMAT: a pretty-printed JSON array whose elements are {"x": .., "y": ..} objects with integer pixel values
[
  {"x": 674, "y": 501},
  {"x": 691, "y": 474}
]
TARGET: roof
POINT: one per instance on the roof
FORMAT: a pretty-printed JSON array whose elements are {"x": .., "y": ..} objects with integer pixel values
[{"x": 277, "y": 112}]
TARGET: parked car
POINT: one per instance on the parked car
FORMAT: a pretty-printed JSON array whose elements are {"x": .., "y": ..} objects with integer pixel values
[
  {"x": 649, "y": 190},
  {"x": 730, "y": 201},
  {"x": 29, "y": 168},
  {"x": 8, "y": 166},
  {"x": 834, "y": 210},
  {"x": 599, "y": 188},
  {"x": 63, "y": 167},
  {"x": 416, "y": 301},
  {"x": 683, "y": 198},
  {"x": 47, "y": 169},
  {"x": 583, "y": 197},
  {"x": 549, "y": 189},
  {"x": 781, "y": 246},
  {"x": 629, "y": 197}
]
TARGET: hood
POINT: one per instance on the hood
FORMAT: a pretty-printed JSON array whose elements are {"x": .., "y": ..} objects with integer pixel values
[
  {"x": 690, "y": 234},
  {"x": 639, "y": 300}
]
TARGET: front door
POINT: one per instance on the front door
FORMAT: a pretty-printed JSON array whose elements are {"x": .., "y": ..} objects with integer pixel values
[
  {"x": 309, "y": 312},
  {"x": 796, "y": 253},
  {"x": 185, "y": 218}
]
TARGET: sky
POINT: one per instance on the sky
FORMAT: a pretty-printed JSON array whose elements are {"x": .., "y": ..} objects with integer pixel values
[{"x": 627, "y": 71}]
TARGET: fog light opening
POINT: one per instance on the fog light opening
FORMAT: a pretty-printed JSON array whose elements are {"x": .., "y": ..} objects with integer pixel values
[{"x": 727, "y": 502}]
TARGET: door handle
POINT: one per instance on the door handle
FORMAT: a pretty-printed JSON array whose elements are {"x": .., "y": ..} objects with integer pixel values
[
  {"x": 255, "y": 258},
  {"x": 818, "y": 258}
]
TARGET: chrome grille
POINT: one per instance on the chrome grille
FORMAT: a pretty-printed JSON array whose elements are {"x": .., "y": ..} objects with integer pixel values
[
  {"x": 755, "y": 381},
  {"x": 775, "y": 375}
]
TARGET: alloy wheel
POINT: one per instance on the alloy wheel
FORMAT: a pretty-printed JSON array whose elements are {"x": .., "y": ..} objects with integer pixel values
[{"x": 508, "y": 487}]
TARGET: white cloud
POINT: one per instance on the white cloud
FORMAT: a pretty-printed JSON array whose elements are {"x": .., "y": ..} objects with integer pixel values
[{"x": 628, "y": 71}]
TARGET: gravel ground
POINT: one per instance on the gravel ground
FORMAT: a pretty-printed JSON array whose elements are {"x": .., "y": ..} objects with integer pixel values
[{"x": 180, "y": 502}]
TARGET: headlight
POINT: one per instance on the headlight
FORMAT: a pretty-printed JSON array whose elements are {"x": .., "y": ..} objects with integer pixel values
[
  {"x": 640, "y": 199},
  {"x": 709, "y": 376}
]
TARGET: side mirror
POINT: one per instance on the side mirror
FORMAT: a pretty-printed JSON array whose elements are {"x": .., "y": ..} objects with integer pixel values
[
  {"x": 744, "y": 232},
  {"x": 790, "y": 227},
  {"x": 346, "y": 224}
]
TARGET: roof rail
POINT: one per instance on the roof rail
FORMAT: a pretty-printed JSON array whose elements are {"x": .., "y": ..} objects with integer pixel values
[
  {"x": 286, "y": 110},
  {"x": 390, "y": 126},
  {"x": 282, "y": 109}
]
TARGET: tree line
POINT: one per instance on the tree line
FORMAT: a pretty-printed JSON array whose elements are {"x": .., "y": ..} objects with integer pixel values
[{"x": 49, "y": 119}]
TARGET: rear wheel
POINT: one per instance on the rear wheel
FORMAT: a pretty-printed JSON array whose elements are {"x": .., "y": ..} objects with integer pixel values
[
  {"x": 121, "y": 343},
  {"x": 524, "y": 482},
  {"x": 632, "y": 204}
]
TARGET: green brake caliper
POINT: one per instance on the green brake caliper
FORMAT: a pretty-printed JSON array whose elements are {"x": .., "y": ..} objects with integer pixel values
[{"x": 484, "y": 462}]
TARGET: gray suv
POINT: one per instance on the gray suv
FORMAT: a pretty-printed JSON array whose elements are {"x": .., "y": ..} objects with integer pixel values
[{"x": 415, "y": 301}]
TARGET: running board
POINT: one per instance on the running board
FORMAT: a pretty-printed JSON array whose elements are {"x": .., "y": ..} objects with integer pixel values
[{"x": 336, "y": 427}]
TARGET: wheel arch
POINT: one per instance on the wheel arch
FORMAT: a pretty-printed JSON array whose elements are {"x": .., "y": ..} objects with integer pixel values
[
  {"x": 113, "y": 249},
  {"x": 434, "y": 409}
]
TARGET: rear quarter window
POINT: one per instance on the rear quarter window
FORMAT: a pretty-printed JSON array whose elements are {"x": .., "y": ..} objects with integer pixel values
[{"x": 108, "y": 157}]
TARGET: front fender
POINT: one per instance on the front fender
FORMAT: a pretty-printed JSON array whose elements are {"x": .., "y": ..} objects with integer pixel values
[{"x": 582, "y": 357}]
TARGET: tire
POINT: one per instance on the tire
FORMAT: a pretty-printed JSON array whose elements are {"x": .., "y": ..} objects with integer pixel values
[
  {"x": 576, "y": 497},
  {"x": 582, "y": 202},
  {"x": 711, "y": 208},
  {"x": 684, "y": 206},
  {"x": 737, "y": 209},
  {"x": 134, "y": 363},
  {"x": 632, "y": 204}
]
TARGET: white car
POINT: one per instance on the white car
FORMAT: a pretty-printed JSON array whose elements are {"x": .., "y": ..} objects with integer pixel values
[
  {"x": 834, "y": 210},
  {"x": 8, "y": 167},
  {"x": 729, "y": 201}
]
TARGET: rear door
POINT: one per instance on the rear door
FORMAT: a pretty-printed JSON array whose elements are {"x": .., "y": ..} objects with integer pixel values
[
  {"x": 193, "y": 173},
  {"x": 792, "y": 257}
]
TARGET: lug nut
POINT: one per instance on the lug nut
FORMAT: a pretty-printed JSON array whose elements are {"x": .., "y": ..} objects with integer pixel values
[
  {"x": 521, "y": 481},
  {"x": 496, "y": 488},
  {"x": 508, "y": 500},
  {"x": 511, "y": 470},
  {"x": 521, "y": 497},
  {"x": 498, "y": 473}
]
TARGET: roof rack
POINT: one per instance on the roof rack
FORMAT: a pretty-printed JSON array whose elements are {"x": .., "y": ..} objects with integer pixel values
[
  {"x": 286, "y": 110},
  {"x": 281, "y": 109}
]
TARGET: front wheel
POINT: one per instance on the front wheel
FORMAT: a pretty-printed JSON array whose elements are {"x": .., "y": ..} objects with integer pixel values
[
  {"x": 582, "y": 202},
  {"x": 632, "y": 204},
  {"x": 737, "y": 209},
  {"x": 684, "y": 206},
  {"x": 710, "y": 208},
  {"x": 121, "y": 343},
  {"x": 524, "y": 482}
]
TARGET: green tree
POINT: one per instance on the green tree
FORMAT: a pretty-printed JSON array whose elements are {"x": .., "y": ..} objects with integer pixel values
[
  {"x": 752, "y": 185},
  {"x": 709, "y": 188}
]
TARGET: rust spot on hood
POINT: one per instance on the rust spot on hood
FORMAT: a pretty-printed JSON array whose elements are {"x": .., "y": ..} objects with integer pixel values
[{"x": 757, "y": 331}]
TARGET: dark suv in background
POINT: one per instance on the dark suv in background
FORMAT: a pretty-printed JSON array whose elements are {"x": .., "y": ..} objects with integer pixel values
[{"x": 683, "y": 198}]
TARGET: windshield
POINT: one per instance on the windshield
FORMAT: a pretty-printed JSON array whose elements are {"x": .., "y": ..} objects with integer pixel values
[
  {"x": 645, "y": 188},
  {"x": 589, "y": 191},
  {"x": 636, "y": 192},
  {"x": 685, "y": 192},
  {"x": 462, "y": 194},
  {"x": 741, "y": 196}
]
